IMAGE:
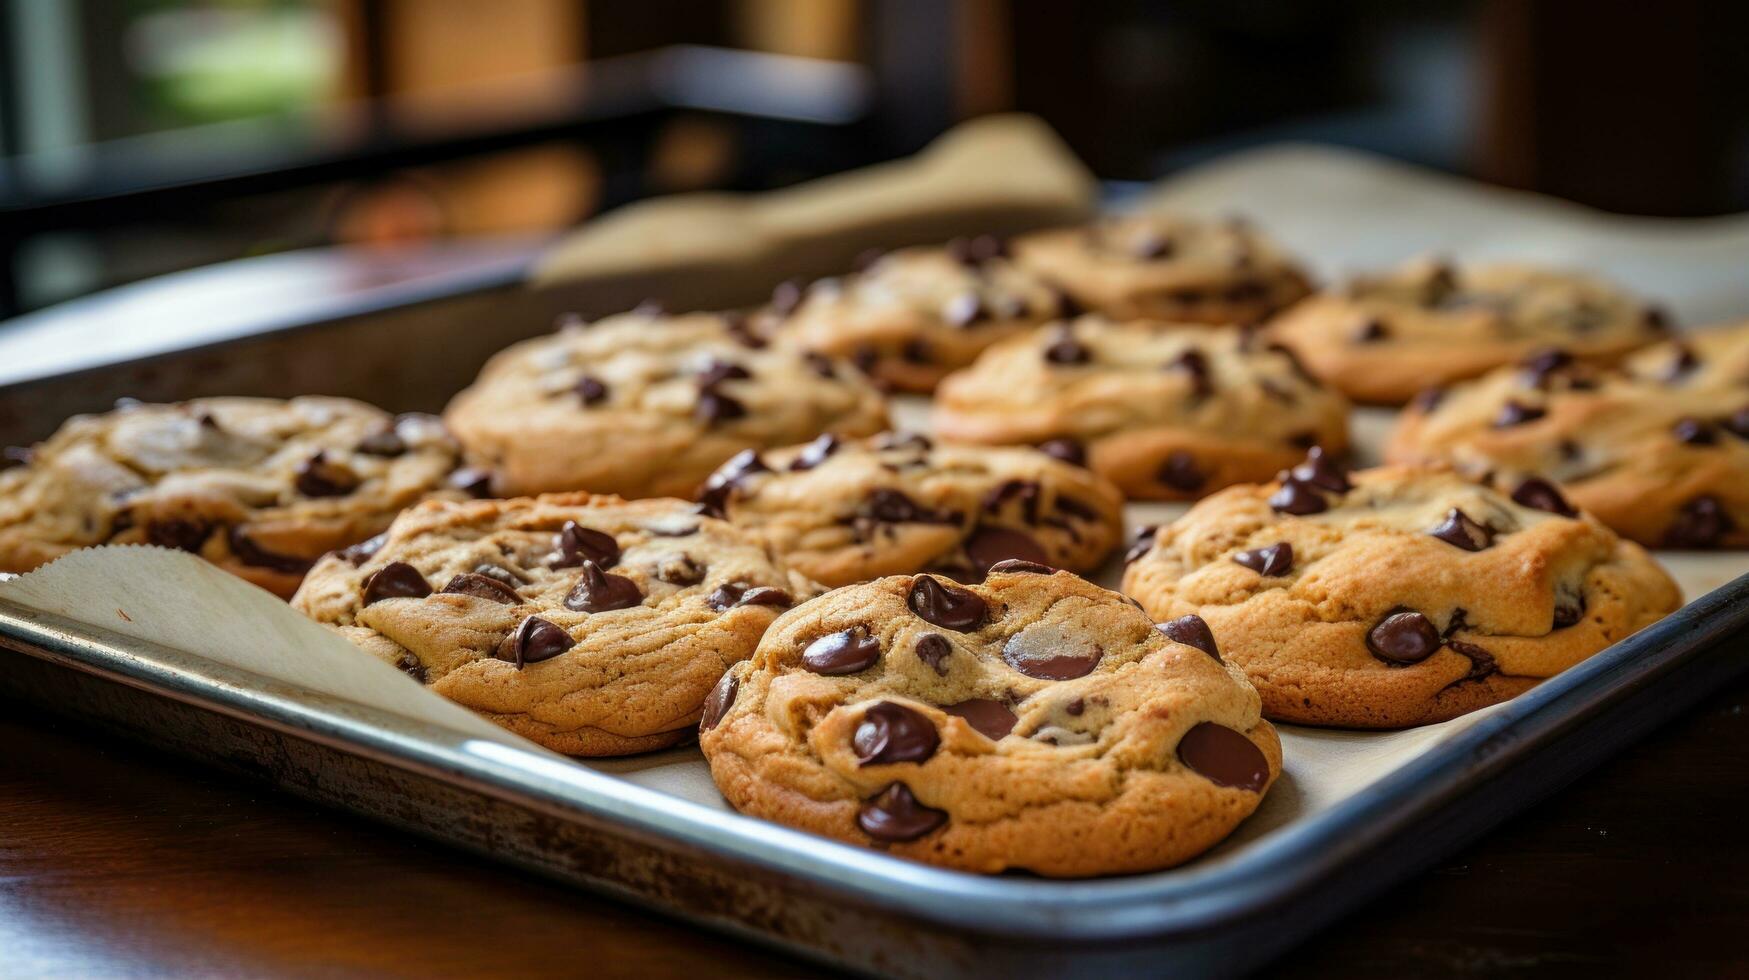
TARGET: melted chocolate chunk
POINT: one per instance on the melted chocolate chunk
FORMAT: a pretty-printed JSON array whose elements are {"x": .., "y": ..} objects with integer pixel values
[
  {"x": 1025, "y": 491},
  {"x": 1682, "y": 364},
  {"x": 1051, "y": 654},
  {"x": 988, "y": 546},
  {"x": 319, "y": 476},
  {"x": 732, "y": 594},
  {"x": 178, "y": 534},
  {"x": 947, "y": 606},
  {"x": 933, "y": 649},
  {"x": 1070, "y": 451},
  {"x": 1298, "y": 498},
  {"x": 964, "y": 310},
  {"x": 848, "y": 651},
  {"x": 718, "y": 371},
  {"x": 722, "y": 483},
  {"x": 1269, "y": 561},
  {"x": 815, "y": 453},
  {"x": 1702, "y": 523},
  {"x": 396, "y": 580},
  {"x": 250, "y": 553},
  {"x": 1461, "y": 531},
  {"x": 1569, "y": 610},
  {"x": 597, "y": 591},
  {"x": 1321, "y": 471},
  {"x": 1195, "y": 365},
  {"x": 471, "y": 480},
  {"x": 577, "y": 544},
  {"x": 892, "y": 733},
  {"x": 1016, "y": 566},
  {"x": 409, "y": 664},
  {"x": 1538, "y": 367},
  {"x": 1191, "y": 631},
  {"x": 1403, "y": 637},
  {"x": 1515, "y": 412},
  {"x": 357, "y": 554},
  {"x": 1224, "y": 757},
  {"x": 1065, "y": 349},
  {"x": 482, "y": 587},
  {"x": 894, "y": 507},
  {"x": 715, "y": 407},
  {"x": 718, "y": 702},
  {"x": 1370, "y": 331},
  {"x": 591, "y": 390},
  {"x": 1181, "y": 472},
  {"x": 989, "y": 718},
  {"x": 1141, "y": 544},
  {"x": 1694, "y": 432},
  {"x": 894, "y": 816},
  {"x": 384, "y": 442},
  {"x": 537, "y": 639},
  {"x": 1539, "y": 494}
]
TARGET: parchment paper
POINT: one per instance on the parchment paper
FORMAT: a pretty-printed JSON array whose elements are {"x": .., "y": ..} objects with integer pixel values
[{"x": 1342, "y": 211}]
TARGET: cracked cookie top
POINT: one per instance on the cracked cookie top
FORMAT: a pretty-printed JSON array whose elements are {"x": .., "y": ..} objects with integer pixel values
[
  {"x": 1167, "y": 267},
  {"x": 1034, "y": 722},
  {"x": 848, "y": 511},
  {"x": 259, "y": 486},
  {"x": 911, "y": 316},
  {"x": 1164, "y": 411},
  {"x": 1385, "y": 337},
  {"x": 589, "y": 624},
  {"x": 643, "y": 404},
  {"x": 1396, "y": 596}
]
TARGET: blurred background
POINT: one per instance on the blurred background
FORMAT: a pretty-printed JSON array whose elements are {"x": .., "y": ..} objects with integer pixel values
[{"x": 140, "y": 137}]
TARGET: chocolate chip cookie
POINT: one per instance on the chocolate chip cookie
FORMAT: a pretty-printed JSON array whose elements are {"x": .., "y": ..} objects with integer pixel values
[
  {"x": 848, "y": 511},
  {"x": 1035, "y": 722},
  {"x": 646, "y": 405},
  {"x": 1386, "y": 337},
  {"x": 911, "y": 316},
  {"x": 1661, "y": 456},
  {"x": 1396, "y": 596},
  {"x": 589, "y": 624},
  {"x": 1167, "y": 267},
  {"x": 1164, "y": 412},
  {"x": 258, "y": 486}
]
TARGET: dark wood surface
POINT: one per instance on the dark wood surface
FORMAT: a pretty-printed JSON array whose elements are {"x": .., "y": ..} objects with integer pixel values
[{"x": 115, "y": 860}]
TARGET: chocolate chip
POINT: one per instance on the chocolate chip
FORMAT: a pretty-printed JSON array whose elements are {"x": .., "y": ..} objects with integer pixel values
[
  {"x": 1515, "y": 412},
  {"x": 894, "y": 816},
  {"x": 410, "y": 665},
  {"x": 1320, "y": 470},
  {"x": 1151, "y": 246},
  {"x": 1181, "y": 472},
  {"x": 815, "y": 453},
  {"x": 820, "y": 364},
  {"x": 947, "y": 606},
  {"x": 1701, "y": 523},
  {"x": 865, "y": 358},
  {"x": 915, "y": 352},
  {"x": 1075, "y": 508},
  {"x": 1737, "y": 423},
  {"x": 384, "y": 442},
  {"x": 357, "y": 554},
  {"x": 1015, "y": 566},
  {"x": 1142, "y": 543},
  {"x": 537, "y": 639},
  {"x": 1403, "y": 637},
  {"x": 1224, "y": 757},
  {"x": 718, "y": 702},
  {"x": 178, "y": 533},
  {"x": 933, "y": 650},
  {"x": 1459, "y": 530},
  {"x": 680, "y": 570},
  {"x": 892, "y": 733},
  {"x": 591, "y": 390},
  {"x": 1299, "y": 498},
  {"x": 989, "y": 718},
  {"x": 1051, "y": 653},
  {"x": 250, "y": 553},
  {"x": 396, "y": 580},
  {"x": 319, "y": 476},
  {"x": 1070, "y": 451},
  {"x": 473, "y": 481},
  {"x": 733, "y": 594},
  {"x": 718, "y": 371},
  {"x": 786, "y": 297},
  {"x": 964, "y": 310},
  {"x": 1075, "y": 708},
  {"x": 1539, "y": 494},
  {"x": 1270, "y": 561},
  {"x": 722, "y": 483},
  {"x": 1065, "y": 349},
  {"x": 1569, "y": 450},
  {"x": 1067, "y": 307},
  {"x": 1025, "y": 491},
  {"x": 576, "y": 544},
  {"x": 715, "y": 407},
  {"x": 893, "y": 507},
  {"x": 1694, "y": 432},
  {"x": 1569, "y": 610},
  {"x": 1657, "y": 319},
  {"x": 1191, "y": 631},
  {"x": 848, "y": 651},
  {"x": 481, "y": 587},
  {"x": 597, "y": 591},
  {"x": 987, "y": 546},
  {"x": 1427, "y": 399},
  {"x": 1370, "y": 331},
  {"x": 1682, "y": 364},
  {"x": 1538, "y": 367},
  {"x": 1195, "y": 365}
]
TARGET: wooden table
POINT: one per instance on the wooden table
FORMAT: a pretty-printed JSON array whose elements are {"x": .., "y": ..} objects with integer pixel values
[{"x": 116, "y": 860}]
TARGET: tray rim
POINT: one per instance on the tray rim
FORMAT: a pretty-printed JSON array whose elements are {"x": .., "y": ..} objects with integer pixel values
[{"x": 1194, "y": 899}]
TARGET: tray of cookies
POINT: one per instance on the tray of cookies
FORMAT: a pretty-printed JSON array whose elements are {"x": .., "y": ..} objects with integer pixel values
[{"x": 1017, "y": 603}]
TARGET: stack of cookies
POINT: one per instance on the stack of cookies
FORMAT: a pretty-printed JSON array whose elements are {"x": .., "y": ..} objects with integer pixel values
[{"x": 657, "y": 525}]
